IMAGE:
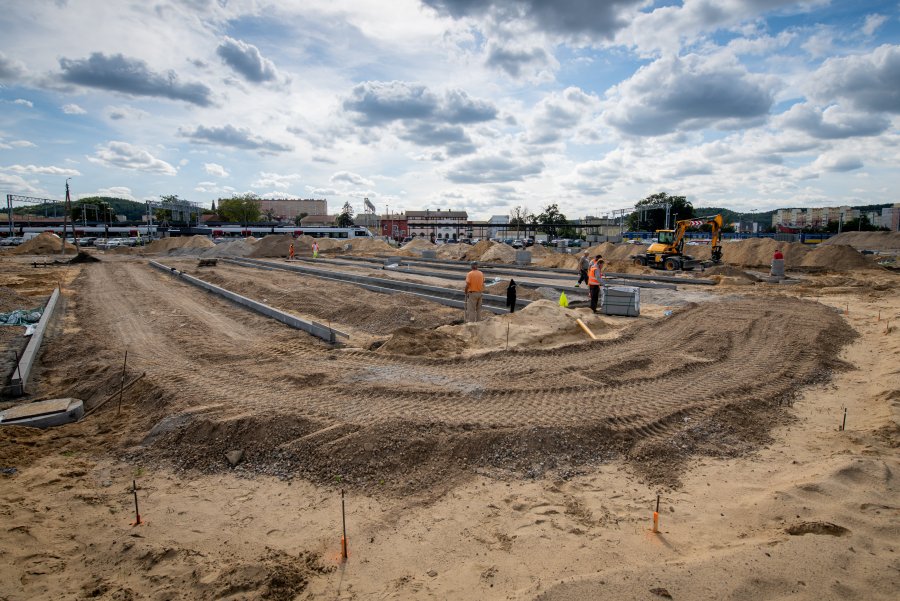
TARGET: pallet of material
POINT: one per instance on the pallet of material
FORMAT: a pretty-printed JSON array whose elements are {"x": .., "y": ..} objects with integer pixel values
[{"x": 207, "y": 262}]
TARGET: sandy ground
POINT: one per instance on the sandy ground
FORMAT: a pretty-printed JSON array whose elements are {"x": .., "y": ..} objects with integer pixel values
[{"x": 470, "y": 471}]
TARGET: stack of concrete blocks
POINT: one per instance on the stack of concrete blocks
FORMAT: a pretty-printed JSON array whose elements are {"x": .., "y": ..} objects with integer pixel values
[
  {"x": 429, "y": 254},
  {"x": 523, "y": 257},
  {"x": 620, "y": 300}
]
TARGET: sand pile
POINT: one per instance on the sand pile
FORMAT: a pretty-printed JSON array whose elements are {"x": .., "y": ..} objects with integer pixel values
[
  {"x": 191, "y": 244},
  {"x": 45, "y": 243},
  {"x": 418, "y": 244},
  {"x": 757, "y": 252},
  {"x": 498, "y": 253},
  {"x": 836, "y": 257},
  {"x": 241, "y": 247},
  {"x": 453, "y": 252},
  {"x": 370, "y": 245},
  {"x": 278, "y": 245},
  {"x": 557, "y": 260},
  {"x": 124, "y": 250},
  {"x": 729, "y": 274},
  {"x": 618, "y": 252},
  {"x": 879, "y": 241},
  {"x": 475, "y": 252},
  {"x": 542, "y": 321},
  {"x": 418, "y": 342}
]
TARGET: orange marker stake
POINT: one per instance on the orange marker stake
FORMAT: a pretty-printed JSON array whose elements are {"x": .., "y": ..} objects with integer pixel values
[{"x": 656, "y": 517}]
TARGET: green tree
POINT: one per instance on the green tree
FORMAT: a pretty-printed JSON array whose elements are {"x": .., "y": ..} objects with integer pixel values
[
  {"x": 650, "y": 213},
  {"x": 243, "y": 208},
  {"x": 553, "y": 222},
  {"x": 92, "y": 209},
  {"x": 269, "y": 214},
  {"x": 299, "y": 218},
  {"x": 345, "y": 219}
]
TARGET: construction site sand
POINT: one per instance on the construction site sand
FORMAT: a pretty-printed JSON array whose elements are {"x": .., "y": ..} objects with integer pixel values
[
  {"x": 178, "y": 243},
  {"x": 45, "y": 243},
  {"x": 210, "y": 536},
  {"x": 877, "y": 241},
  {"x": 418, "y": 244},
  {"x": 241, "y": 247},
  {"x": 496, "y": 253},
  {"x": 370, "y": 246},
  {"x": 453, "y": 252}
]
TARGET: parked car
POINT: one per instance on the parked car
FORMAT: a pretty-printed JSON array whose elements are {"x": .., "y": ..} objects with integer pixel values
[{"x": 518, "y": 244}]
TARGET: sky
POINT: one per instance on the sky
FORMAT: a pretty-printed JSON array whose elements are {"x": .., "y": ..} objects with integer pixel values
[{"x": 454, "y": 104}]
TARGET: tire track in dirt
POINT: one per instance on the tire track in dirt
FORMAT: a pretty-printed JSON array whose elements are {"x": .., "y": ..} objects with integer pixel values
[{"x": 656, "y": 383}]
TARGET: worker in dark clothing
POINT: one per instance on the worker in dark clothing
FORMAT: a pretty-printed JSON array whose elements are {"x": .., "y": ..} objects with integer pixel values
[
  {"x": 595, "y": 277},
  {"x": 511, "y": 296},
  {"x": 584, "y": 263}
]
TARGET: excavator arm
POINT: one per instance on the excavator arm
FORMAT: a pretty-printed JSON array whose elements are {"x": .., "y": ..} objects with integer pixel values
[{"x": 715, "y": 222}]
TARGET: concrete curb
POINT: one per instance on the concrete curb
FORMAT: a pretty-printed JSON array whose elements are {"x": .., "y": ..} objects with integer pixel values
[
  {"x": 316, "y": 329},
  {"x": 445, "y": 296},
  {"x": 26, "y": 362}
]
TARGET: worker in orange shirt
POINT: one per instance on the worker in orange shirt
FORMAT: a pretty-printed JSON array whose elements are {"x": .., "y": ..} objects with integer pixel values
[
  {"x": 595, "y": 278},
  {"x": 474, "y": 290},
  {"x": 291, "y": 252}
]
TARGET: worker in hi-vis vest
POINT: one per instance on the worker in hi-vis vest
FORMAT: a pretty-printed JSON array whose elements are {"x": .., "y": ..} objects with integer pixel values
[
  {"x": 595, "y": 277},
  {"x": 474, "y": 290}
]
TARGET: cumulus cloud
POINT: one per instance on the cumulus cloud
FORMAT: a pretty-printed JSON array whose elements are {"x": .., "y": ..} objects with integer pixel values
[
  {"x": 48, "y": 170},
  {"x": 236, "y": 137},
  {"x": 73, "y": 109},
  {"x": 126, "y": 156},
  {"x": 690, "y": 92},
  {"x": 131, "y": 76},
  {"x": 23, "y": 102},
  {"x": 16, "y": 184},
  {"x": 873, "y": 22},
  {"x": 493, "y": 169},
  {"x": 275, "y": 180},
  {"x": 516, "y": 62},
  {"x": 117, "y": 113},
  {"x": 869, "y": 82},
  {"x": 838, "y": 162},
  {"x": 113, "y": 191},
  {"x": 346, "y": 177},
  {"x": 10, "y": 70},
  {"x": 215, "y": 169},
  {"x": 419, "y": 115},
  {"x": 247, "y": 61},
  {"x": 833, "y": 123},
  {"x": 567, "y": 17},
  {"x": 558, "y": 114}
]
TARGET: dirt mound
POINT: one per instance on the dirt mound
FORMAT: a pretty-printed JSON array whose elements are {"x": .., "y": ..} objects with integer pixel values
[
  {"x": 179, "y": 243},
  {"x": 418, "y": 342},
  {"x": 278, "y": 245},
  {"x": 615, "y": 252},
  {"x": 879, "y": 241},
  {"x": 475, "y": 252},
  {"x": 370, "y": 245},
  {"x": 418, "y": 244},
  {"x": 730, "y": 272},
  {"x": 556, "y": 260},
  {"x": 45, "y": 243},
  {"x": 241, "y": 247},
  {"x": 497, "y": 253},
  {"x": 84, "y": 257},
  {"x": 453, "y": 252},
  {"x": 758, "y": 252},
  {"x": 837, "y": 257}
]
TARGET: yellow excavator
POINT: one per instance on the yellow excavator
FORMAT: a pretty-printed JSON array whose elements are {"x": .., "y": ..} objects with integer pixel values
[{"x": 668, "y": 252}]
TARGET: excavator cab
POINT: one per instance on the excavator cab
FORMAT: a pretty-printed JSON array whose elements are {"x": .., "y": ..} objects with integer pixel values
[{"x": 666, "y": 237}]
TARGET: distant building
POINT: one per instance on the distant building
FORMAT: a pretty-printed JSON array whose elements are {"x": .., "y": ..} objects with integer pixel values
[
  {"x": 394, "y": 226},
  {"x": 286, "y": 209},
  {"x": 890, "y": 217},
  {"x": 814, "y": 217},
  {"x": 318, "y": 220},
  {"x": 444, "y": 225}
]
